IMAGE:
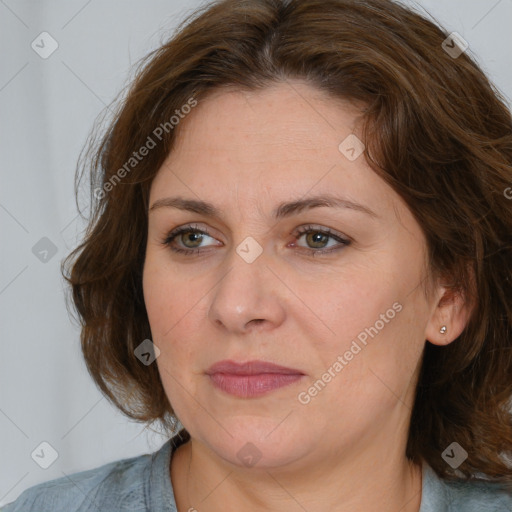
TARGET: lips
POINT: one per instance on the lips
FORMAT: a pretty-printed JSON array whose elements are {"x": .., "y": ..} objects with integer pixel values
[
  {"x": 251, "y": 379},
  {"x": 250, "y": 368}
]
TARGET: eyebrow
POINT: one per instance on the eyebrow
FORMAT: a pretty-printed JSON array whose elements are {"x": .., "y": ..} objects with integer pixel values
[{"x": 283, "y": 210}]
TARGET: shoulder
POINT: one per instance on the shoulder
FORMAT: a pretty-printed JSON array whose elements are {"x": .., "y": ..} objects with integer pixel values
[
  {"x": 479, "y": 496},
  {"x": 116, "y": 486}
]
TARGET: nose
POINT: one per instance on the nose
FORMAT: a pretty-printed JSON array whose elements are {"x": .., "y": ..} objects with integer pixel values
[{"x": 248, "y": 297}]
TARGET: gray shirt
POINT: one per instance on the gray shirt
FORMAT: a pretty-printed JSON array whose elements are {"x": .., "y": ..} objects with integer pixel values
[{"x": 143, "y": 483}]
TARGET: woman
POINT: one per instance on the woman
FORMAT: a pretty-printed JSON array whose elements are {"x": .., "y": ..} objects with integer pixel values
[{"x": 301, "y": 254}]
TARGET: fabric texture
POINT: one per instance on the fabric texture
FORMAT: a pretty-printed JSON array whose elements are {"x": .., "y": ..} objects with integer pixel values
[{"x": 143, "y": 484}]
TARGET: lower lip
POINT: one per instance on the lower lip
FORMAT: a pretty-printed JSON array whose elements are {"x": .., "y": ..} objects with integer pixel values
[{"x": 248, "y": 386}]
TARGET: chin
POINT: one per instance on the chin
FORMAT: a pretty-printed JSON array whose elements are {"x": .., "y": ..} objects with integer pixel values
[{"x": 257, "y": 442}]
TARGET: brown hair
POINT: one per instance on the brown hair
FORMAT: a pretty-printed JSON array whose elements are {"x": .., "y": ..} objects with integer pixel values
[{"x": 435, "y": 129}]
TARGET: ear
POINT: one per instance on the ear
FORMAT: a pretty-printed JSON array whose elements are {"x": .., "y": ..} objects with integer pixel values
[{"x": 451, "y": 310}]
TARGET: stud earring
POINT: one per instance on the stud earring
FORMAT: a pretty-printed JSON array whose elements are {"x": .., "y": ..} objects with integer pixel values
[{"x": 443, "y": 329}]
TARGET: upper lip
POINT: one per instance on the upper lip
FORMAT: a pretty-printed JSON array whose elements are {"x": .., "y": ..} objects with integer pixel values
[{"x": 250, "y": 368}]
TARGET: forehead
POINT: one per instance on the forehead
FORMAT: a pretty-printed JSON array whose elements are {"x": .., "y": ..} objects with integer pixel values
[
  {"x": 277, "y": 143},
  {"x": 285, "y": 114},
  {"x": 291, "y": 127}
]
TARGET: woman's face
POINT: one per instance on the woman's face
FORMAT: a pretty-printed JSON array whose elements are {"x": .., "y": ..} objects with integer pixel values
[{"x": 351, "y": 318}]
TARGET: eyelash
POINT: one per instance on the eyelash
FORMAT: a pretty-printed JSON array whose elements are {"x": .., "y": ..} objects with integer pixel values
[{"x": 167, "y": 241}]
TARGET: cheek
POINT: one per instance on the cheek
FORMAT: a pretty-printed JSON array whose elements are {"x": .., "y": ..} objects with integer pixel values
[
  {"x": 166, "y": 294},
  {"x": 374, "y": 327},
  {"x": 171, "y": 316},
  {"x": 173, "y": 303},
  {"x": 341, "y": 307}
]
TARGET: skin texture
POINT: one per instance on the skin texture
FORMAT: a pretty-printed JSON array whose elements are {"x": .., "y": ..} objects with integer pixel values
[{"x": 246, "y": 152}]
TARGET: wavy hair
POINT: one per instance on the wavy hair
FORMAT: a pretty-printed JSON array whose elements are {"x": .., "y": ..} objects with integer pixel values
[{"x": 435, "y": 129}]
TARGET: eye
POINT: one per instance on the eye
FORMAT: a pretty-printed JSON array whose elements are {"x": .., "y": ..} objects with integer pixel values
[
  {"x": 318, "y": 239},
  {"x": 190, "y": 237},
  {"x": 188, "y": 240}
]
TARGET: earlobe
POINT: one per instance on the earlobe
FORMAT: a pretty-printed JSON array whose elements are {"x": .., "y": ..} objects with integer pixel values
[{"x": 449, "y": 319}]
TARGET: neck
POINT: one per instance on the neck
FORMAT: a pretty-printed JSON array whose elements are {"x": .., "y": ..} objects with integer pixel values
[{"x": 206, "y": 483}]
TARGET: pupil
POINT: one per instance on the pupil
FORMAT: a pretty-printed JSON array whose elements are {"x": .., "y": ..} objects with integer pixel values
[
  {"x": 317, "y": 238},
  {"x": 192, "y": 235}
]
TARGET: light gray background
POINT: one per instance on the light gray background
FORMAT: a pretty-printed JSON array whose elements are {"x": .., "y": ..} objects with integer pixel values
[{"x": 47, "y": 108}]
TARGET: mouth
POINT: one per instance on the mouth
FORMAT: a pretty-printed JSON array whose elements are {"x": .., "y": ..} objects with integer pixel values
[
  {"x": 251, "y": 379},
  {"x": 250, "y": 368}
]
